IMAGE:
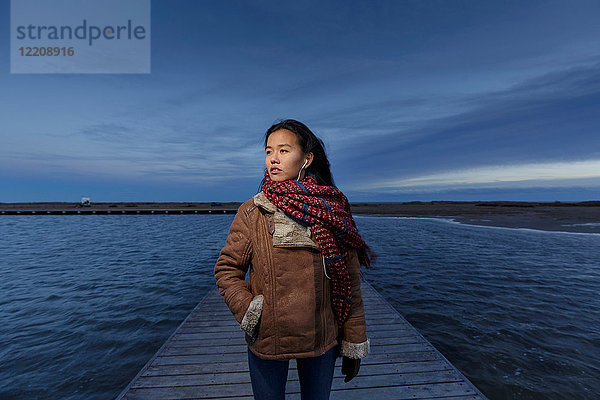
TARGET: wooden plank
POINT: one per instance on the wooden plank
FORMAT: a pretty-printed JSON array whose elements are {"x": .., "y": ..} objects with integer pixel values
[
  {"x": 210, "y": 335},
  {"x": 171, "y": 351},
  {"x": 206, "y": 357},
  {"x": 204, "y": 368},
  {"x": 378, "y": 376},
  {"x": 429, "y": 391},
  {"x": 193, "y": 350},
  {"x": 207, "y": 342},
  {"x": 370, "y": 368},
  {"x": 190, "y": 392},
  {"x": 233, "y": 357},
  {"x": 408, "y": 337}
]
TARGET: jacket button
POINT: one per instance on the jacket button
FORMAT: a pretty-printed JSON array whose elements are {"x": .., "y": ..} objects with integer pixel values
[{"x": 270, "y": 224}]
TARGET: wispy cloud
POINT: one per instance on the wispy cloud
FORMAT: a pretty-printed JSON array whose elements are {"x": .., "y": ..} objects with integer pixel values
[{"x": 571, "y": 173}]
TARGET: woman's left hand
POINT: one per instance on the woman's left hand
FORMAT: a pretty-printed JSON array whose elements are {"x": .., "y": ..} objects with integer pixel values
[{"x": 350, "y": 367}]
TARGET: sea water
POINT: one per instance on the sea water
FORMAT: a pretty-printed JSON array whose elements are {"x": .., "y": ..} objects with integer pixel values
[{"x": 86, "y": 300}]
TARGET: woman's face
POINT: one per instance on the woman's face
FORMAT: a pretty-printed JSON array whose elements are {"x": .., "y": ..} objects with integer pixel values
[{"x": 284, "y": 157}]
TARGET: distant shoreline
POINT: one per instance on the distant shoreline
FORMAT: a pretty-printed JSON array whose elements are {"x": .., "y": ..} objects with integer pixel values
[
  {"x": 570, "y": 217},
  {"x": 581, "y": 217}
]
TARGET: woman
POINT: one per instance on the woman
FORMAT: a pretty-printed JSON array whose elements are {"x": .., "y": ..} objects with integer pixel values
[{"x": 299, "y": 241}]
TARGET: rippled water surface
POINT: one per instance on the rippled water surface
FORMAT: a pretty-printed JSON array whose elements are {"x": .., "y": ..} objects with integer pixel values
[{"x": 86, "y": 300}]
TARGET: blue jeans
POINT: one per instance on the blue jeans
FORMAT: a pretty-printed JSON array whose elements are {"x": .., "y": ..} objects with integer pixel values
[{"x": 270, "y": 376}]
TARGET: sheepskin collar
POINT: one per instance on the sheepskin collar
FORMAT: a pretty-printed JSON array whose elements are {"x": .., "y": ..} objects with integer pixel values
[
  {"x": 287, "y": 232},
  {"x": 261, "y": 200}
]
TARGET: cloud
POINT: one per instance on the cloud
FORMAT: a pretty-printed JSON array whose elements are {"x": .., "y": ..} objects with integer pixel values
[
  {"x": 550, "y": 118},
  {"x": 573, "y": 173},
  {"x": 158, "y": 150}
]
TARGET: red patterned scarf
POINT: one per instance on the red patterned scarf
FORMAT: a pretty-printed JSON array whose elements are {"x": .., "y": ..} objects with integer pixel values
[{"x": 327, "y": 211}]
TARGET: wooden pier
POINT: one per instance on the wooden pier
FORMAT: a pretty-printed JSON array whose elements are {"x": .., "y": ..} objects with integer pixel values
[
  {"x": 84, "y": 211},
  {"x": 206, "y": 358}
]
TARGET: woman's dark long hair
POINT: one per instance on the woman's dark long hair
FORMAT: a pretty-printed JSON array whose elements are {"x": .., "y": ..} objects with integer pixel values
[
  {"x": 319, "y": 167},
  {"x": 309, "y": 143}
]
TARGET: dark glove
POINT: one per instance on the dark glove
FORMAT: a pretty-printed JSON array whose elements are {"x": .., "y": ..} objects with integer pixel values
[{"x": 350, "y": 367}]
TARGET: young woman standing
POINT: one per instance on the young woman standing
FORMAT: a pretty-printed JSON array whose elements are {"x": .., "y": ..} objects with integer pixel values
[{"x": 302, "y": 299}]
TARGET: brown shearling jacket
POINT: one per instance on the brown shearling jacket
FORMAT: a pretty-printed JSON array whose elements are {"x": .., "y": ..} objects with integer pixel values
[{"x": 285, "y": 305}]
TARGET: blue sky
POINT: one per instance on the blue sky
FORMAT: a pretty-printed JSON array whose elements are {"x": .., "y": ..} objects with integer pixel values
[{"x": 415, "y": 100}]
